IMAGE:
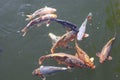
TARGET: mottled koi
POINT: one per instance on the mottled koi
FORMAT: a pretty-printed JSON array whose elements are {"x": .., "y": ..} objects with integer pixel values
[
  {"x": 39, "y": 21},
  {"x": 63, "y": 58},
  {"x": 84, "y": 56},
  {"x": 105, "y": 53}
]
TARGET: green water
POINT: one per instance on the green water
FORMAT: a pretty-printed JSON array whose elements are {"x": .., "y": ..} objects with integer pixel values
[{"x": 19, "y": 55}]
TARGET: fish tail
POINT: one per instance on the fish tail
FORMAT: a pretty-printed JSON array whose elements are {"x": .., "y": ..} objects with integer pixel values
[
  {"x": 24, "y": 30},
  {"x": 29, "y": 17}
]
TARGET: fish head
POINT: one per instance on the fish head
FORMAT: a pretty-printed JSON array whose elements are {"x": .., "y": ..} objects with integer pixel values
[
  {"x": 53, "y": 16},
  {"x": 49, "y": 16},
  {"x": 89, "y": 62},
  {"x": 36, "y": 72},
  {"x": 52, "y": 10},
  {"x": 52, "y": 36},
  {"x": 89, "y": 17}
]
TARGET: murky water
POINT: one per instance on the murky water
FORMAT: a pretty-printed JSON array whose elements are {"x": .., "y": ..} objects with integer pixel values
[{"x": 19, "y": 55}]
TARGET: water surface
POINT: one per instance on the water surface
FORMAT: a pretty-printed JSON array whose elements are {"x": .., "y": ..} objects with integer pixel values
[{"x": 19, "y": 55}]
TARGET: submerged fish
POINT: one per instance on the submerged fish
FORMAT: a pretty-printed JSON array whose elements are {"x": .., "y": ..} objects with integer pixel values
[
  {"x": 63, "y": 58},
  {"x": 54, "y": 38},
  {"x": 67, "y": 24},
  {"x": 41, "y": 12},
  {"x": 39, "y": 21},
  {"x": 64, "y": 40},
  {"x": 82, "y": 29},
  {"x": 43, "y": 71},
  {"x": 84, "y": 56},
  {"x": 105, "y": 53}
]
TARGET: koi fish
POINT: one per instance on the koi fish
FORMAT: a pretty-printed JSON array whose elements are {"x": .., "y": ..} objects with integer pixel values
[
  {"x": 105, "y": 53},
  {"x": 41, "y": 12},
  {"x": 44, "y": 71},
  {"x": 67, "y": 24},
  {"x": 63, "y": 58},
  {"x": 40, "y": 20},
  {"x": 82, "y": 29},
  {"x": 64, "y": 40},
  {"x": 84, "y": 56},
  {"x": 54, "y": 38}
]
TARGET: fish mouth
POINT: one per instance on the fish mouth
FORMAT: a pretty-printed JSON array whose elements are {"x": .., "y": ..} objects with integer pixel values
[{"x": 34, "y": 73}]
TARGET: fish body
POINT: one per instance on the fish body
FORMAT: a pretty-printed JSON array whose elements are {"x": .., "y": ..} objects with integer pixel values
[
  {"x": 40, "y": 20},
  {"x": 82, "y": 28},
  {"x": 64, "y": 40},
  {"x": 105, "y": 53},
  {"x": 67, "y": 24},
  {"x": 84, "y": 56},
  {"x": 41, "y": 12},
  {"x": 63, "y": 58},
  {"x": 43, "y": 71},
  {"x": 51, "y": 69}
]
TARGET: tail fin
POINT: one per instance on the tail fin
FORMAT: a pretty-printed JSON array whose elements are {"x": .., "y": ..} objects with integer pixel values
[
  {"x": 29, "y": 17},
  {"x": 24, "y": 30}
]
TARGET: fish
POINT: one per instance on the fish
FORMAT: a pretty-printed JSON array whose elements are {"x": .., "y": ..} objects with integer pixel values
[
  {"x": 40, "y": 12},
  {"x": 64, "y": 40},
  {"x": 82, "y": 28},
  {"x": 54, "y": 38},
  {"x": 44, "y": 71},
  {"x": 67, "y": 24},
  {"x": 105, "y": 52},
  {"x": 84, "y": 56},
  {"x": 40, "y": 20},
  {"x": 64, "y": 58}
]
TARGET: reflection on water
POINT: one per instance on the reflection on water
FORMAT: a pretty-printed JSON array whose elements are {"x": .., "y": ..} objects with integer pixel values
[{"x": 19, "y": 55}]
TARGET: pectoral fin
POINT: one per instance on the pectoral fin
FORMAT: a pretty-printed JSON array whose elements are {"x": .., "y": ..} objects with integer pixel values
[
  {"x": 86, "y": 35},
  {"x": 109, "y": 58},
  {"x": 48, "y": 23}
]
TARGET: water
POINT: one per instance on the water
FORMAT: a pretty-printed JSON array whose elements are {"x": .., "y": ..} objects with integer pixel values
[{"x": 19, "y": 55}]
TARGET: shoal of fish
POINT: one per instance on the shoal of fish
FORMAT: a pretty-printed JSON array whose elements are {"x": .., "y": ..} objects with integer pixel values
[{"x": 80, "y": 59}]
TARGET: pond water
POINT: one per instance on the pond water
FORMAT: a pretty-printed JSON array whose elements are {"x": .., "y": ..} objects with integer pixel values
[{"x": 19, "y": 55}]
